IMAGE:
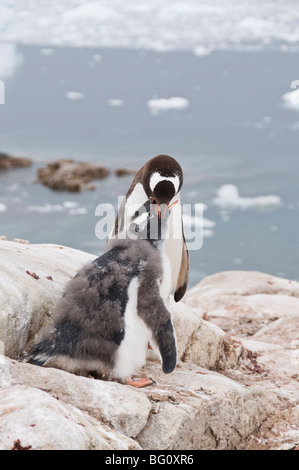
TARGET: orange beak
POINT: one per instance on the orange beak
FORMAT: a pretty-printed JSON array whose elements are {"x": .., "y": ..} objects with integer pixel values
[{"x": 158, "y": 211}]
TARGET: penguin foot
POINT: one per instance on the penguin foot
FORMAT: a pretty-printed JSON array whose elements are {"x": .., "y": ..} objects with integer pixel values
[{"x": 141, "y": 382}]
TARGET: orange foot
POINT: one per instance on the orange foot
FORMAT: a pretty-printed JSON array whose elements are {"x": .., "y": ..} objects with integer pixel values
[{"x": 141, "y": 382}]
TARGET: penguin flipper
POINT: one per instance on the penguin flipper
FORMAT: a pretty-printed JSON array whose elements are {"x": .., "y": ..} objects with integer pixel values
[
  {"x": 167, "y": 347},
  {"x": 154, "y": 313},
  {"x": 183, "y": 278}
]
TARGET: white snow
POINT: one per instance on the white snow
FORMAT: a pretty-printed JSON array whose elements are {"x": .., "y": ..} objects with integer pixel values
[
  {"x": 159, "y": 25},
  {"x": 228, "y": 198},
  {"x": 158, "y": 105}
]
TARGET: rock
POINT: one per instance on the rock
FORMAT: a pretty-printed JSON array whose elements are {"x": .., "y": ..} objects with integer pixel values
[
  {"x": 283, "y": 332},
  {"x": 280, "y": 431},
  {"x": 125, "y": 172},
  {"x": 220, "y": 396},
  {"x": 244, "y": 283},
  {"x": 198, "y": 409},
  {"x": 34, "y": 420},
  {"x": 241, "y": 303},
  {"x": 27, "y": 296},
  {"x": 192, "y": 408},
  {"x": 9, "y": 161},
  {"x": 202, "y": 342},
  {"x": 262, "y": 313},
  {"x": 122, "y": 406},
  {"x": 276, "y": 347},
  {"x": 70, "y": 175}
]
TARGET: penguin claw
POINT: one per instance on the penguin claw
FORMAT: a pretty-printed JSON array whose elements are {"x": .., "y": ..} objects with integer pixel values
[{"x": 141, "y": 382}]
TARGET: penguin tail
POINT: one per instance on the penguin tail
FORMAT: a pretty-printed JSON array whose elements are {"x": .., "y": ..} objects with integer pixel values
[{"x": 41, "y": 354}]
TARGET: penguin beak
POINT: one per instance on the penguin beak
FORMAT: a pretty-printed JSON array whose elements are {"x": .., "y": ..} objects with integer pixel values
[
  {"x": 172, "y": 205},
  {"x": 167, "y": 208}
]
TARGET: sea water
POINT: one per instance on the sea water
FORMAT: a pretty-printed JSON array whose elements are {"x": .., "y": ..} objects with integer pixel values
[{"x": 221, "y": 112}]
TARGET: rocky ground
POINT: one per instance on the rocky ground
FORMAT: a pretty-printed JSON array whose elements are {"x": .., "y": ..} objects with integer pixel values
[{"x": 236, "y": 385}]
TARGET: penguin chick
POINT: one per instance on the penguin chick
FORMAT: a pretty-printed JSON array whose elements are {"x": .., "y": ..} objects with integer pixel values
[{"x": 112, "y": 309}]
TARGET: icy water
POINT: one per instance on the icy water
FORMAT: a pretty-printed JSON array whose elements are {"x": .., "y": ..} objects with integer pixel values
[{"x": 93, "y": 104}]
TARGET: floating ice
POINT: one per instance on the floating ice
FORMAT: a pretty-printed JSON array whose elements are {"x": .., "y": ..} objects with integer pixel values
[
  {"x": 198, "y": 221},
  {"x": 74, "y": 95},
  {"x": 78, "y": 211},
  {"x": 70, "y": 204},
  {"x": 291, "y": 99},
  {"x": 47, "y": 51},
  {"x": 3, "y": 207},
  {"x": 97, "y": 58},
  {"x": 228, "y": 198},
  {"x": 70, "y": 207},
  {"x": 9, "y": 60},
  {"x": 158, "y": 105},
  {"x": 201, "y": 27},
  {"x": 199, "y": 224},
  {"x": 208, "y": 233},
  {"x": 115, "y": 102},
  {"x": 202, "y": 51},
  {"x": 46, "y": 208}
]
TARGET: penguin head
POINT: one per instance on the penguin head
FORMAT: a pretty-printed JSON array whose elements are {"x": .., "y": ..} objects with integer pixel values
[
  {"x": 162, "y": 179},
  {"x": 150, "y": 222}
]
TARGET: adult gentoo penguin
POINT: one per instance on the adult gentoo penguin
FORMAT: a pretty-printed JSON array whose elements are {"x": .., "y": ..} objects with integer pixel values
[
  {"x": 114, "y": 307},
  {"x": 160, "y": 180}
]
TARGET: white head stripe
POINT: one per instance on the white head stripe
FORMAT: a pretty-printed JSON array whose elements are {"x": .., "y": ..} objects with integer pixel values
[{"x": 157, "y": 178}]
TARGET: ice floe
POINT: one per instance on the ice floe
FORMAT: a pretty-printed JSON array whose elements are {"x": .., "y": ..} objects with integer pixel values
[
  {"x": 198, "y": 224},
  {"x": 116, "y": 102},
  {"x": 291, "y": 99},
  {"x": 159, "y": 25},
  {"x": 228, "y": 197},
  {"x": 70, "y": 207},
  {"x": 9, "y": 59},
  {"x": 74, "y": 95},
  {"x": 158, "y": 105},
  {"x": 3, "y": 207},
  {"x": 47, "y": 51}
]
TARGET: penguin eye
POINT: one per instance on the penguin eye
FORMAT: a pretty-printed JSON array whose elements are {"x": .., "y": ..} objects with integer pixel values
[
  {"x": 136, "y": 213},
  {"x": 150, "y": 215},
  {"x": 137, "y": 228}
]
